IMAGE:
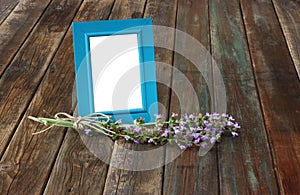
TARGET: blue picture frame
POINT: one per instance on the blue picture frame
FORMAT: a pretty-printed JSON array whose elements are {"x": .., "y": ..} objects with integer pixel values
[{"x": 82, "y": 31}]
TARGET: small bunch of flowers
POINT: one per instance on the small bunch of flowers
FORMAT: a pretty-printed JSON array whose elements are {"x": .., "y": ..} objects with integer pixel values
[{"x": 187, "y": 131}]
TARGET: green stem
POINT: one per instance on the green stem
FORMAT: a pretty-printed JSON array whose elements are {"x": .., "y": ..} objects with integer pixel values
[
  {"x": 49, "y": 121},
  {"x": 144, "y": 124}
]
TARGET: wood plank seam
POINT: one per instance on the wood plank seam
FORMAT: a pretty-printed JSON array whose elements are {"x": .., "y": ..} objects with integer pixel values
[
  {"x": 5, "y": 66},
  {"x": 168, "y": 113},
  {"x": 3, "y": 19},
  {"x": 275, "y": 72},
  {"x": 43, "y": 78},
  {"x": 61, "y": 149},
  {"x": 230, "y": 51},
  {"x": 21, "y": 117},
  {"x": 214, "y": 98},
  {"x": 258, "y": 93},
  {"x": 269, "y": 144},
  {"x": 296, "y": 61},
  {"x": 285, "y": 38}
]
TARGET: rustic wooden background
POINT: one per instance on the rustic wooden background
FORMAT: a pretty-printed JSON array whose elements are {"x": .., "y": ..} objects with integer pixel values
[{"x": 256, "y": 45}]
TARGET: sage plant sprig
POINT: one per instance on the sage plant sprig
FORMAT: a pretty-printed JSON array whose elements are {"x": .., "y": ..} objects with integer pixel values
[{"x": 186, "y": 131}]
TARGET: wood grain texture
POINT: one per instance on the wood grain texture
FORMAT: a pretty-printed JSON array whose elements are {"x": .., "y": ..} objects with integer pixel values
[
  {"x": 6, "y": 6},
  {"x": 262, "y": 94},
  {"x": 192, "y": 19},
  {"x": 126, "y": 157},
  {"x": 189, "y": 173},
  {"x": 26, "y": 164},
  {"x": 245, "y": 163},
  {"x": 21, "y": 79},
  {"x": 288, "y": 13},
  {"x": 279, "y": 89},
  {"x": 17, "y": 26},
  {"x": 163, "y": 13},
  {"x": 78, "y": 169},
  {"x": 127, "y": 9}
]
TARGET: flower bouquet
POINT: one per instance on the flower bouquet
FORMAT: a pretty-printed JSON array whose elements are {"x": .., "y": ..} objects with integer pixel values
[{"x": 186, "y": 131}]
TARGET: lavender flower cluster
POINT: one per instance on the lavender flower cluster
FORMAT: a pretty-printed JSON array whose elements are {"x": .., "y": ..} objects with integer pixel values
[{"x": 189, "y": 130}]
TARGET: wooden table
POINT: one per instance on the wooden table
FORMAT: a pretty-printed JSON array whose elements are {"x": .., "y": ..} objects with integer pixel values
[{"x": 256, "y": 46}]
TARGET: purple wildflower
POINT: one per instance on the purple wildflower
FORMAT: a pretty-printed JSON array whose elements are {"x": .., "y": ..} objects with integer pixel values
[
  {"x": 206, "y": 129},
  {"x": 186, "y": 117},
  {"x": 182, "y": 128},
  {"x": 136, "y": 129},
  {"x": 136, "y": 141},
  {"x": 197, "y": 141},
  {"x": 166, "y": 133},
  {"x": 150, "y": 140},
  {"x": 87, "y": 131},
  {"x": 176, "y": 129},
  {"x": 207, "y": 123},
  {"x": 236, "y": 125},
  {"x": 229, "y": 123},
  {"x": 192, "y": 117},
  {"x": 199, "y": 128},
  {"x": 234, "y": 134},
  {"x": 196, "y": 135},
  {"x": 216, "y": 116},
  {"x": 224, "y": 115},
  {"x": 174, "y": 115},
  {"x": 182, "y": 147},
  {"x": 127, "y": 137},
  {"x": 189, "y": 145}
]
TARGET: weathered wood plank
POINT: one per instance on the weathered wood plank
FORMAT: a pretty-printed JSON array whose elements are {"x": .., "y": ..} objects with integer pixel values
[
  {"x": 288, "y": 13},
  {"x": 127, "y": 157},
  {"x": 127, "y": 9},
  {"x": 146, "y": 182},
  {"x": 20, "y": 80},
  {"x": 245, "y": 164},
  {"x": 279, "y": 90},
  {"x": 6, "y": 6},
  {"x": 83, "y": 173},
  {"x": 16, "y": 27},
  {"x": 243, "y": 168},
  {"x": 189, "y": 173},
  {"x": 163, "y": 14},
  {"x": 192, "y": 19},
  {"x": 26, "y": 164},
  {"x": 77, "y": 169}
]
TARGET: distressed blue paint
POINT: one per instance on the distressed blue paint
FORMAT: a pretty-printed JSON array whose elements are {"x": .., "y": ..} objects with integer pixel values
[
  {"x": 84, "y": 85},
  {"x": 251, "y": 176}
]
